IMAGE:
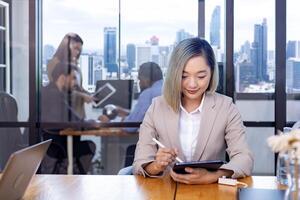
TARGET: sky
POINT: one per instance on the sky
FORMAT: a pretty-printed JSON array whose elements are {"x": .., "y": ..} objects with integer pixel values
[{"x": 142, "y": 19}]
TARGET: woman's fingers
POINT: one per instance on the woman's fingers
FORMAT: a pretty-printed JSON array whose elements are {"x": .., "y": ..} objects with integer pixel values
[{"x": 164, "y": 157}]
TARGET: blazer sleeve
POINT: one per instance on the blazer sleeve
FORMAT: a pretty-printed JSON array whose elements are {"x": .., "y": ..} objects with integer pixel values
[
  {"x": 146, "y": 149},
  {"x": 241, "y": 159}
]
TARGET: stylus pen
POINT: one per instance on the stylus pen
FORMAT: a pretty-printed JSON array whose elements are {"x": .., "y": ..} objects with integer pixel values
[{"x": 163, "y": 146}]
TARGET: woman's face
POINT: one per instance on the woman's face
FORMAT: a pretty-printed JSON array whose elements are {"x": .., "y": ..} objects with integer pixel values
[
  {"x": 195, "y": 79},
  {"x": 75, "y": 50}
]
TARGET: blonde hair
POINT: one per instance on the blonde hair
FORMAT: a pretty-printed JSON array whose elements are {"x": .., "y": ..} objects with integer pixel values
[{"x": 184, "y": 51}]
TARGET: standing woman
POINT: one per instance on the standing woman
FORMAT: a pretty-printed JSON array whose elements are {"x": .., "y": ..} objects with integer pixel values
[
  {"x": 193, "y": 121},
  {"x": 69, "y": 51}
]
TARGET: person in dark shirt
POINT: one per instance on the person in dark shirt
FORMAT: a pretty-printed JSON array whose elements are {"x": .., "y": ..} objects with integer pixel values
[{"x": 56, "y": 108}]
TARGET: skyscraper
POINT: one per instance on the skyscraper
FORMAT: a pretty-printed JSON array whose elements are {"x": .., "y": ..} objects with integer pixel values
[
  {"x": 163, "y": 56},
  {"x": 259, "y": 51},
  {"x": 291, "y": 49},
  {"x": 246, "y": 75},
  {"x": 110, "y": 49},
  {"x": 143, "y": 54},
  {"x": 215, "y": 25},
  {"x": 293, "y": 74},
  {"x": 181, "y": 35},
  {"x": 130, "y": 54},
  {"x": 86, "y": 64}
]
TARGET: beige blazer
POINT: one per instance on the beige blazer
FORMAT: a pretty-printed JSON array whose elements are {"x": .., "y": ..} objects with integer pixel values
[{"x": 221, "y": 130}]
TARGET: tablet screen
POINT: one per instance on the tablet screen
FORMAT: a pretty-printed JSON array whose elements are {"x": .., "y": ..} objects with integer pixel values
[
  {"x": 103, "y": 93},
  {"x": 211, "y": 165}
]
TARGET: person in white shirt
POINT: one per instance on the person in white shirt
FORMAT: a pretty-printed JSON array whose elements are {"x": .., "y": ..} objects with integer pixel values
[{"x": 192, "y": 121}]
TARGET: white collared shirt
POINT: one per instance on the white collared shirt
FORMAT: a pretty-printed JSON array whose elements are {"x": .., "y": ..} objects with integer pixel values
[{"x": 189, "y": 126}]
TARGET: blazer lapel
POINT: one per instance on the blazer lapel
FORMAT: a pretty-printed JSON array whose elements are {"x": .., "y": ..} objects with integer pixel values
[
  {"x": 171, "y": 127},
  {"x": 207, "y": 122}
]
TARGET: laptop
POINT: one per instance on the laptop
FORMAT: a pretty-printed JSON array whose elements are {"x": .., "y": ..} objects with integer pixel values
[
  {"x": 19, "y": 170},
  {"x": 260, "y": 194}
]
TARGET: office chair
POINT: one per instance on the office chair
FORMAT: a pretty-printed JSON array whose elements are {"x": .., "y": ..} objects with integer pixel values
[
  {"x": 129, "y": 157},
  {"x": 10, "y": 138}
]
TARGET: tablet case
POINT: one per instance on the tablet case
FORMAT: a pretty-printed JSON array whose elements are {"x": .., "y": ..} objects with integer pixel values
[{"x": 211, "y": 165}]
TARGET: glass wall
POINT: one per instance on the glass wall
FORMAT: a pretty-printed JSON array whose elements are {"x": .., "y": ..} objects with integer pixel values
[
  {"x": 14, "y": 54},
  {"x": 93, "y": 22},
  {"x": 254, "y": 45},
  {"x": 104, "y": 67},
  {"x": 254, "y": 67},
  {"x": 14, "y": 77},
  {"x": 293, "y": 61},
  {"x": 117, "y": 39}
]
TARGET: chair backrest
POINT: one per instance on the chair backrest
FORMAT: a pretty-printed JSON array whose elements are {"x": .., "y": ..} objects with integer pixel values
[
  {"x": 10, "y": 138},
  {"x": 8, "y": 108}
]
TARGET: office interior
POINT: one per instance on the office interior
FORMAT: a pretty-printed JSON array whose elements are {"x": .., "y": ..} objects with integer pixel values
[{"x": 257, "y": 49}]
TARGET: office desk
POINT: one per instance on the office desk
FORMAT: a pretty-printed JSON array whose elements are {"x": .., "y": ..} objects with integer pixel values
[
  {"x": 111, "y": 135},
  {"x": 216, "y": 191},
  {"x": 90, "y": 187}
]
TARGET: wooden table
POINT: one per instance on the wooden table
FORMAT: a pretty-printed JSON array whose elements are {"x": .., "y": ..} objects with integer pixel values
[
  {"x": 118, "y": 132},
  {"x": 90, "y": 187},
  {"x": 223, "y": 192}
]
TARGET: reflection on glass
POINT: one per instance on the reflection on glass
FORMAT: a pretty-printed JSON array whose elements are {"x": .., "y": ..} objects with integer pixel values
[
  {"x": 147, "y": 35},
  {"x": 254, "y": 55}
]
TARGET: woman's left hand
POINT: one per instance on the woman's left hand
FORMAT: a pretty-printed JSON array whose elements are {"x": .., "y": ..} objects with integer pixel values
[{"x": 195, "y": 176}]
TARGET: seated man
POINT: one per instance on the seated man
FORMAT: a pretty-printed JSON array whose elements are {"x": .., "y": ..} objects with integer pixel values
[
  {"x": 56, "y": 108},
  {"x": 150, "y": 81}
]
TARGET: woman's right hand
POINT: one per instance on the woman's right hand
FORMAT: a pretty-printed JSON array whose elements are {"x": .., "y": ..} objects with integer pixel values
[{"x": 164, "y": 157}]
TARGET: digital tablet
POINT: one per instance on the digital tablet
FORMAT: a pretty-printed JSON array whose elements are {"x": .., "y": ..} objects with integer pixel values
[
  {"x": 211, "y": 165},
  {"x": 103, "y": 93}
]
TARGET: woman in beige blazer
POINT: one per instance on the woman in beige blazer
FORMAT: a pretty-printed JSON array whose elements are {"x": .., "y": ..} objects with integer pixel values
[{"x": 192, "y": 121}]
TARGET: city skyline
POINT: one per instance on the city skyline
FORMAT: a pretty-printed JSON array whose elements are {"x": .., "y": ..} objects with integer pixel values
[
  {"x": 254, "y": 37},
  {"x": 83, "y": 18},
  {"x": 140, "y": 20}
]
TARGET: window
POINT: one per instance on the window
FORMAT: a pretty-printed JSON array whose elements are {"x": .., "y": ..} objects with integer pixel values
[
  {"x": 14, "y": 53},
  {"x": 114, "y": 48},
  {"x": 254, "y": 45},
  {"x": 214, "y": 27},
  {"x": 4, "y": 48},
  {"x": 292, "y": 60}
]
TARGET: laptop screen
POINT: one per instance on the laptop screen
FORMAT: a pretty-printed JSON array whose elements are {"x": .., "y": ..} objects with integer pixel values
[{"x": 117, "y": 92}]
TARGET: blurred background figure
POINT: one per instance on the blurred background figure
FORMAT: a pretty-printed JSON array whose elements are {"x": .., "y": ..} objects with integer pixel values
[
  {"x": 68, "y": 52},
  {"x": 63, "y": 101},
  {"x": 150, "y": 81}
]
